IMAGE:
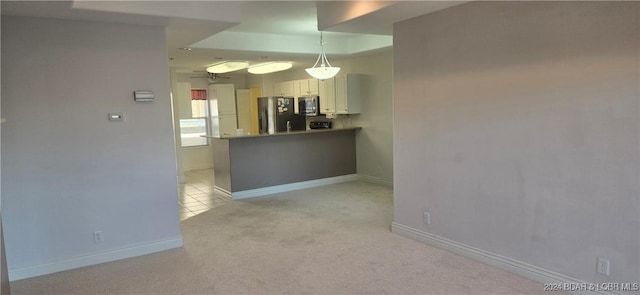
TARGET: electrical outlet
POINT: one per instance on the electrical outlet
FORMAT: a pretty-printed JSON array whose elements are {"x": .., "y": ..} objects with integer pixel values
[
  {"x": 97, "y": 236},
  {"x": 426, "y": 217},
  {"x": 603, "y": 266}
]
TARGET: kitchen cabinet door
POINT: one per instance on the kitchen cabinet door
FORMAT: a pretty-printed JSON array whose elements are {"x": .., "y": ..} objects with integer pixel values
[
  {"x": 228, "y": 123},
  {"x": 314, "y": 86},
  {"x": 222, "y": 99},
  {"x": 308, "y": 87},
  {"x": 284, "y": 89},
  {"x": 327, "y": 96},
  {"x": 348, "y": 94}
]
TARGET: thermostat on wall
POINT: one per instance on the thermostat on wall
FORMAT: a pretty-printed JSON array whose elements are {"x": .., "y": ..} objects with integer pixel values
[
  {"x": 143, "y": 95},
  {"x": 116, "y": 117}
]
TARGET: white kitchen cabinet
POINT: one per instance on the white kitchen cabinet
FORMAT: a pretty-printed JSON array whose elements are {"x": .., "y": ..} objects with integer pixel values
[
  {"x": 227, "y": 124},
  {"x": 284, "y": 89},
  {"x": 327, "y": 93},
  {"x": 222, "y": 98},
  {"x": 314, "y": 86},
  {"x": 348, "y": 94},
  {"x": 307, "y": 87},
  {"x": 222, "y": 109}
]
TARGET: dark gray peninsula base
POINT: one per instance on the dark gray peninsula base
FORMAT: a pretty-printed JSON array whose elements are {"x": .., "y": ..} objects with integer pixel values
[{"x": 250, "y": 166}]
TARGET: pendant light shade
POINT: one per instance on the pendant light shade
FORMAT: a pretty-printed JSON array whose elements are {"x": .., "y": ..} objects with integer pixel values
[
  {"x": 322, "y": 72},
  {"x": 325, "y": 70}
]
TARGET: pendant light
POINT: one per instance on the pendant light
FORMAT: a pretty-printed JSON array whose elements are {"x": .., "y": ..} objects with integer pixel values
[{"x": 325, "y": 70}]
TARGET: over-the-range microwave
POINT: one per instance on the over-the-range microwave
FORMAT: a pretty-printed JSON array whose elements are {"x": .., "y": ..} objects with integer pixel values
[{"x": 309, "y": 105}]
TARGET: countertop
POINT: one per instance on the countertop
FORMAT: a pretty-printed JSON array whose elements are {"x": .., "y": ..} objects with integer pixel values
[{"x": 284, "y": 133}]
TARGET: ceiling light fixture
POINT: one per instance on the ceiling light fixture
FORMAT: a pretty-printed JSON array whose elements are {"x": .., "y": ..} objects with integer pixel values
[
  {"x": 270, "y": 67},
  {"x": 227, "y": 66},
  {"x": 325, "y": 70}
]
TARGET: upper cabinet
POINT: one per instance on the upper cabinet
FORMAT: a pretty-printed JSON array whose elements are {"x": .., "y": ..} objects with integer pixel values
[
  {"x": 284, "y": 89},
  {"x": 341, "y": 94},
  {"x": 327, "y": 93},
  {"x": 348, "y": 94},
  {"x": 296, "y": 88},
  {"x": 338, "y": 95},
  {"x": 307, "y": 87}
]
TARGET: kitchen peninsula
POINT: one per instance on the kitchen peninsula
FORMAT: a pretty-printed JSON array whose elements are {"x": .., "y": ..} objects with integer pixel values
[{"x": 254, "y": 165}]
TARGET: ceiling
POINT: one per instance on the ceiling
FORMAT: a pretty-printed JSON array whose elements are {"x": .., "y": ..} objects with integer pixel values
[{"x": 256, "y": 31}]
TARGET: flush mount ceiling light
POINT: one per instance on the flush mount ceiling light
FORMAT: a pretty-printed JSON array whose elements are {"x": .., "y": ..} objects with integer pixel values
[
  {"x": 227, "y": 66},
  {"x": 270, "y": 67},
  {"x": 325, "y": 70}
]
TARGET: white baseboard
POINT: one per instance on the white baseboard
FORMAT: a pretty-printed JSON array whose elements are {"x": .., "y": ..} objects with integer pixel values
[
  {"x": 86, "y": 260},
  {"x": 291, "y": 187},
  {"x": 520, "y": 268},
  {"x": 376, "y": 180}
]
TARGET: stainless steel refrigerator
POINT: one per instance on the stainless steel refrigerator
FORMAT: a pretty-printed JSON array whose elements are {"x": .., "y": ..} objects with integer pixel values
[{"x": 276, "y": 114}]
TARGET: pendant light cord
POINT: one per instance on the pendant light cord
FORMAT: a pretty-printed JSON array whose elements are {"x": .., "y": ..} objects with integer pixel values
[
  {"x": 322, "y": 58},
  {"x": 325, "y": 70}
]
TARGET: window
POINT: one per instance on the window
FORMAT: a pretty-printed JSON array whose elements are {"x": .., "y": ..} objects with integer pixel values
[
  {"x": 198, "y": 103},
  {"x": 191, "y": 129}
]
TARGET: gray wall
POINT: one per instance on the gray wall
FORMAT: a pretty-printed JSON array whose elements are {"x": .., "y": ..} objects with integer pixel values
[
  {"x": 516, "y": 124},
  {"x": 66, "y": 170},
  {"x": 375, "y": 140},
  {"x": 264, "y": 161}
]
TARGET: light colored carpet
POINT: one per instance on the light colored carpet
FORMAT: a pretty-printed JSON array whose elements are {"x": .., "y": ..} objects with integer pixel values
[{"x": 327, "y": 240}]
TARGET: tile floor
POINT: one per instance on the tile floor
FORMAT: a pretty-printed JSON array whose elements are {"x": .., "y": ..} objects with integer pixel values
[{"x": 196, "y": 194}]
